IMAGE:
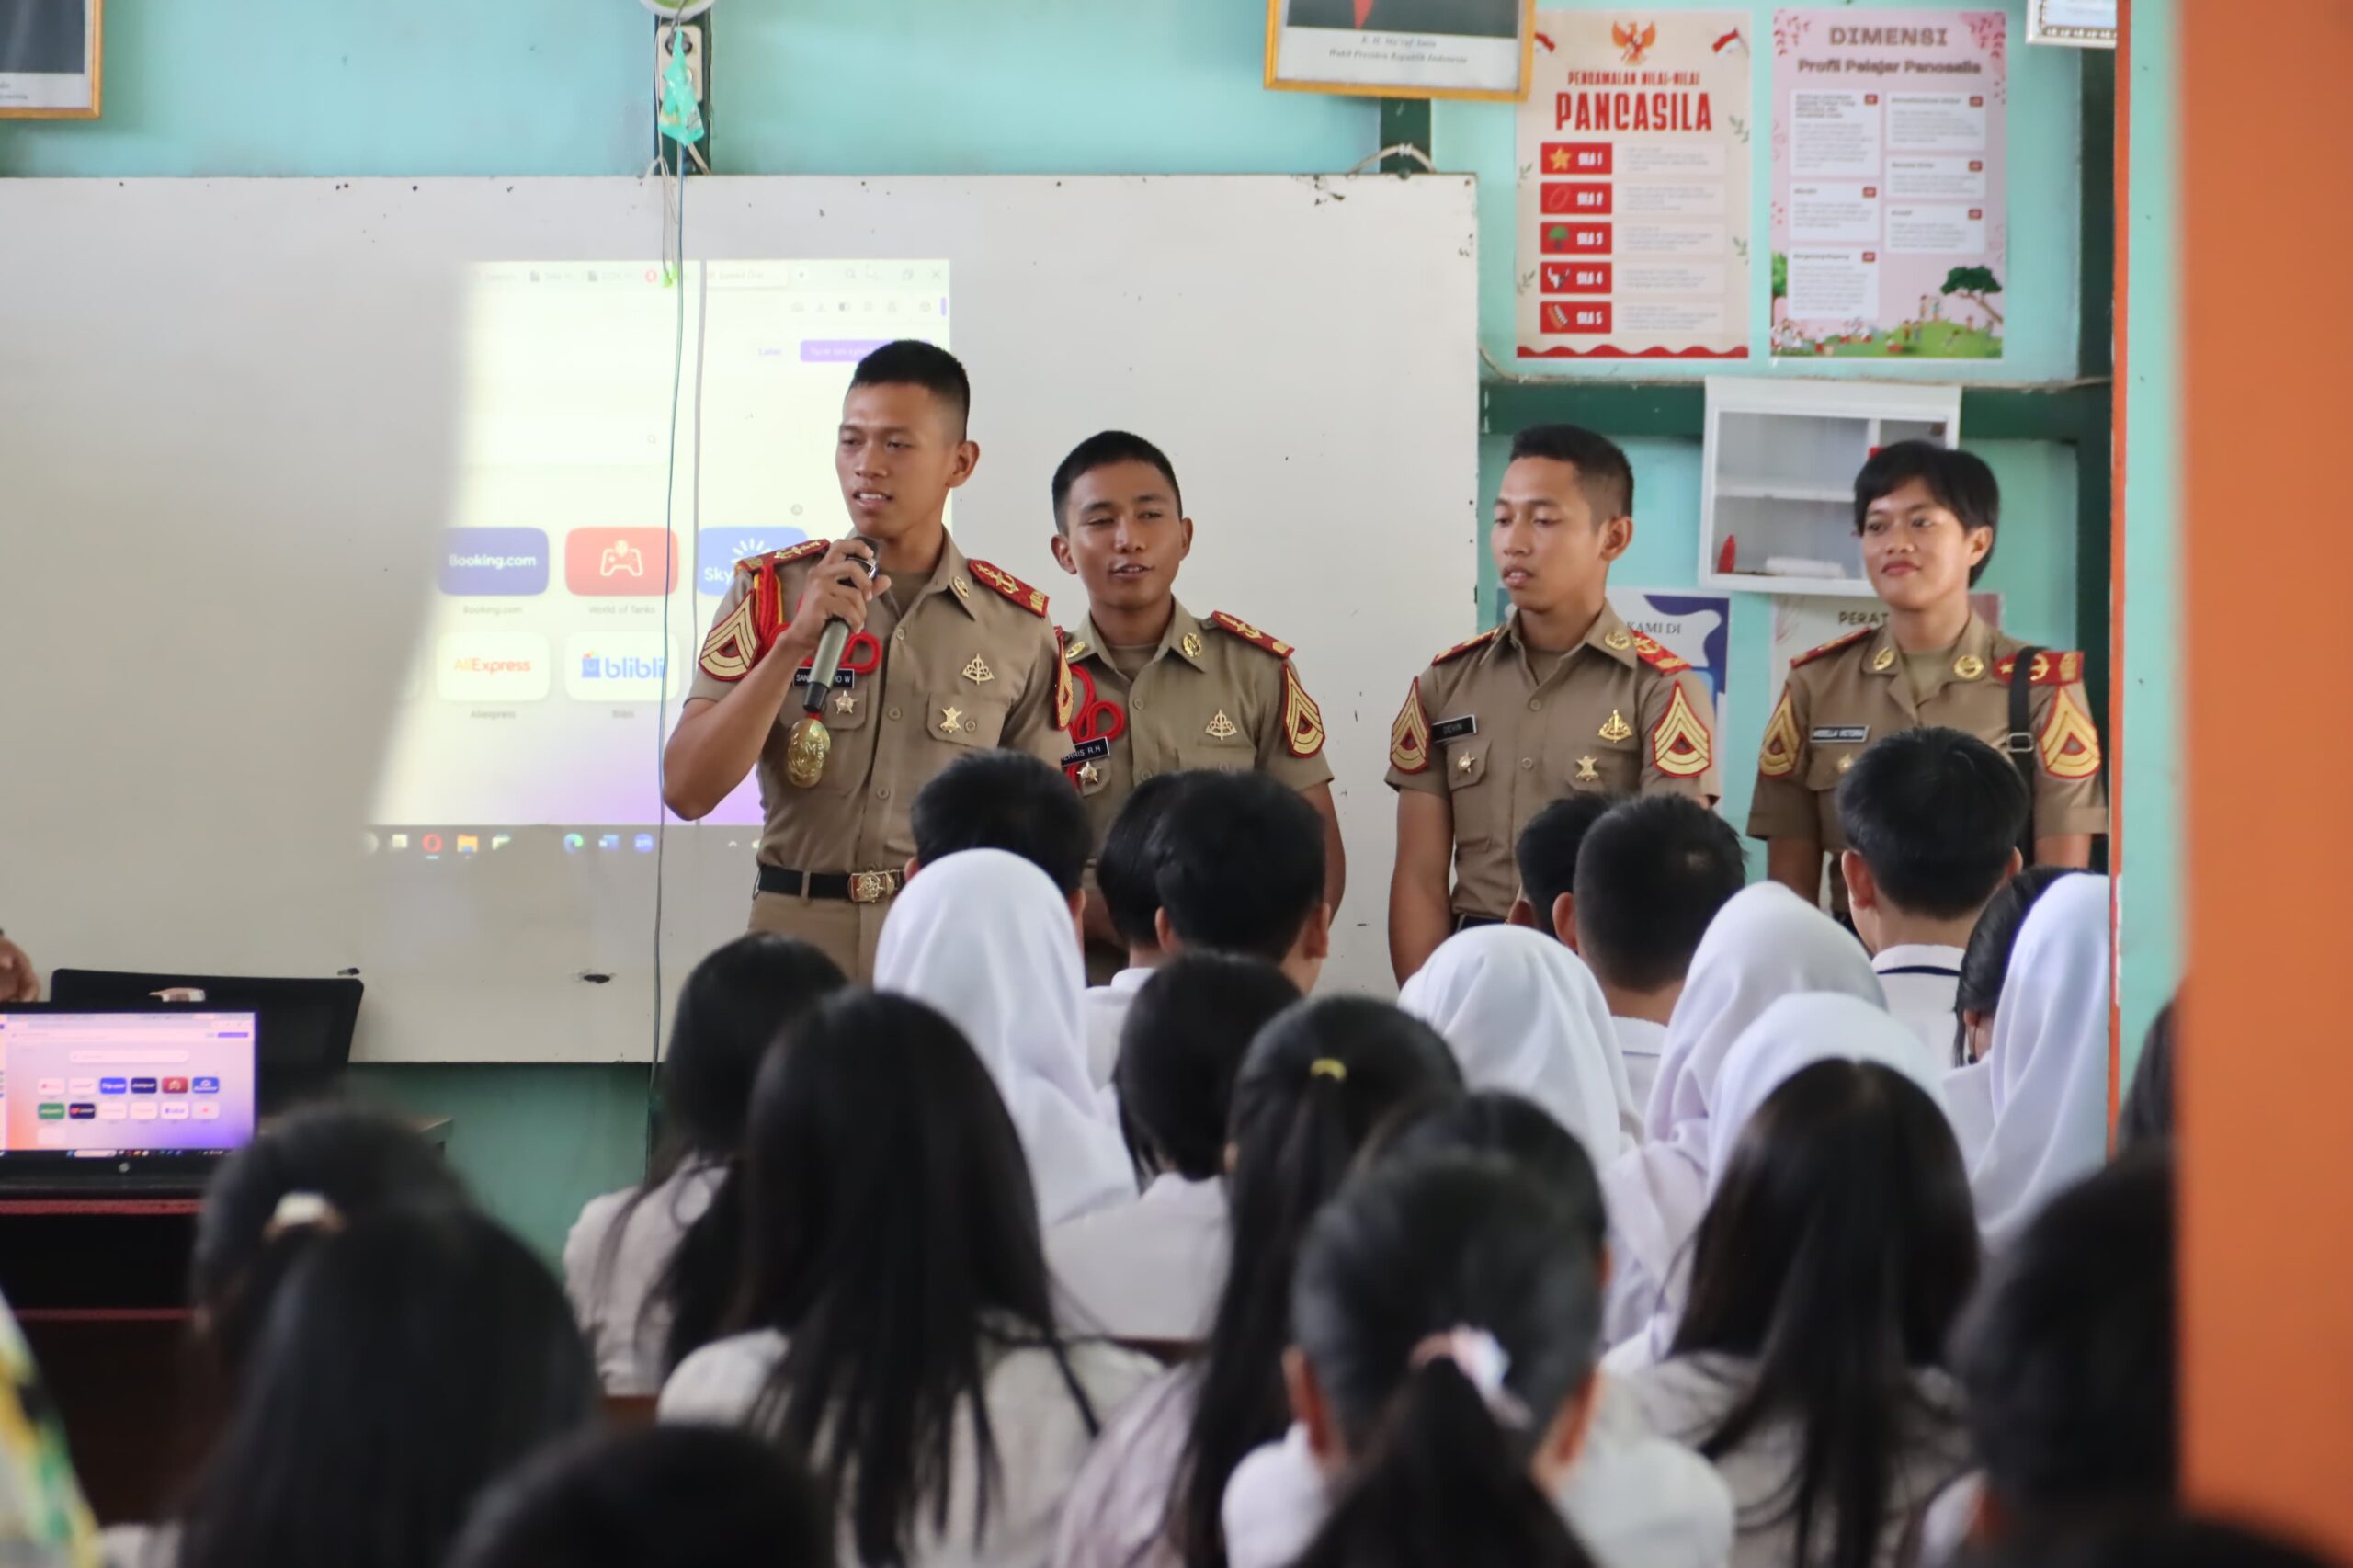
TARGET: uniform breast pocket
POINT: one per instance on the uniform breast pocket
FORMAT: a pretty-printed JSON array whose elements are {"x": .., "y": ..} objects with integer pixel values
[
  {"x": 1230, "y": 756},
  {"x": 1826, "y": 765},
  {"x": 1475, "y": 801},
  {"x": 964, "y": 719}
]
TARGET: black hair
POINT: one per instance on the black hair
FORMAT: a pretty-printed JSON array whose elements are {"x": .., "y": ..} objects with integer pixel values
[
  {"x": 655, "y": 1497},
  {"x": 1958, "y": 482},
  {"x": 911, "y": 362},
  {"x": 1128, "y": 866},
  {"x": 2067, "y": 1359},
  {"x": 1419, "y": 1249},
  {"x": 2144, "y": 1540},
  {"x": 359, "y": 1162},
  {"x": 1241, "y": 865},
  {"x": 1652, "y": 875},
  {"x": 1837, "y": 1255},
  {"x": 1498, "y": 1122},
  {"x": 1008, "y": 801},
  {"x": 1316, "y": 1082},
  {"x": 1986, "y": 962},
  {"x": 1101, "y": 450},
  {"x": 2147, "y": 1113},
  {"x": 1936, "y": 815},
  {"x": 405, "y": 1364},
  {"x": 890, "y": 1234},
  {"x": 731, "y": 1010},
  {"x": 1546, "y": 852},
  {"x": 1600, "y": 462},
  {"x": 1183, "y": 1042}
]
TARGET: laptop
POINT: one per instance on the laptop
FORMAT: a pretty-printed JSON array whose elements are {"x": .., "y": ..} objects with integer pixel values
[
  {"x": 114, "y": 1101},
  {"x": 306, "y": 1024}
]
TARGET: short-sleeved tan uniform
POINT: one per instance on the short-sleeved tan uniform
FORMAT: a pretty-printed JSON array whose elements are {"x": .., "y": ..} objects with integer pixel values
[
  {"x": 1481, "y": 726},
  {"x": 1846, "y": 694},
  {"x": 971, "y": 663}
]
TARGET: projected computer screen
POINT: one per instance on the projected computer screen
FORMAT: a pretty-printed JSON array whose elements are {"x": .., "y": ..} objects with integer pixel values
[{"x": 570, "y": 584}]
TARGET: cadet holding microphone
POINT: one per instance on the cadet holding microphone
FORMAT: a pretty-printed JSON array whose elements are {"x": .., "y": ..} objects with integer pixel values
[{"x": 941, "y": 656}]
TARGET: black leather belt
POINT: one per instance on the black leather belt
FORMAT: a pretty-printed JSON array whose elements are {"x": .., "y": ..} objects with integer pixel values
[{"x": 850, "y": 887}]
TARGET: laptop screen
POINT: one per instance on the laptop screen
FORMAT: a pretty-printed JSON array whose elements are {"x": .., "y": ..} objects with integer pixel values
[{"x": 175, "y": 1081}]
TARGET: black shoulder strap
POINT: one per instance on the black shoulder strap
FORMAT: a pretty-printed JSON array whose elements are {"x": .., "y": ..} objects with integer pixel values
[{"x": 2020, "y": 743}]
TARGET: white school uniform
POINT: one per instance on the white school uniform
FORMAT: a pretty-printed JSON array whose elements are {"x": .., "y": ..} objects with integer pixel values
[
  {"x": 1150, "y": 1269},
  {"x": 610, "y": 1279},
  {"x": 1641, "y": 1044},
  {"x": 1765, "y": 943},
  {"x": 1117, "y": 1516},
  {"x": 1686, "y": 1398},
  {"x": 984, "y": 937},
  {"x": 1107, "y": 1014},
  {"x": 1522, "y": 1012},
  {"x": 1633, "y": 1499},
  {"x": 2042, "y": 1088},
  {"x": 1921, "y": 980},
  {"x": 1040, "y": 1435}
]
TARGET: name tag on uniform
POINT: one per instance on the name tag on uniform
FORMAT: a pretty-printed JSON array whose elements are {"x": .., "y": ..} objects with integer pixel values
[
  {"x": 1455, "y": 729},
  {"x": 1840, "y": 734},
  {"x": 1088, "y": 751},
  {"x": 841, "y": 677}
]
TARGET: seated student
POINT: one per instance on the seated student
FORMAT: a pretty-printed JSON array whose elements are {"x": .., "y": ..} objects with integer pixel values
[
  {"x": 1836, "y": 1253},
  {"x": 1316, "y": 1082},
  {"x": 646, "y": 1276},
  {"x": 405, "y": 1360},
  {"x": 1127, "y": 874},
  {"x": 1634, "y": 1499},
  {"x": 895, "y": 1324},
  {"x": 2039, "y": 1101},
  {"x": 1445, "y": 1318},
  {"x": 1008, "y": 801},
  {"x": 1522, "y": 1012},
  {"x": 657, "y": 1498},
  {"x": 1547, "y": 857},
  {"x": 1932, "y": 819},
  {"x": 1985, "y": 961},
  {"x": 2147, "y": 1113},
  {"x": 1241, "y": 872},
  {"x": 984, "y": 938},
  {"x": 1650, "y": 876},
  {"x": 2067, "y": 1360},
  {"x": 1151, "y": 1269}
]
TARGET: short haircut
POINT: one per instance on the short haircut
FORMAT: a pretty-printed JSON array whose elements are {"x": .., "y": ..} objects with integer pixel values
[
  {"x": 1128, "y": 866},
  {"x": 1650, "y": 876},
  {"x": 1008, "y": 801},
  {"x": 911, "y": 362},
  {"x": 1241, "y": 865},
  {"x": 1184, "y": 1037},
  {"x": 1935, "y": 813},
  {"x": 1101, "y": 450},
  {"x": 1547, "y": 850},
  {"x": 1600, "y": 462},
  {"x": 1958, "y": 482}
]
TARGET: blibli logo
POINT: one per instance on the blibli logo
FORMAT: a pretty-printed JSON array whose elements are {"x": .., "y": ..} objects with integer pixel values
[
  {"x": 619, "y": 666},
  {"x": 630, "y": 666}
]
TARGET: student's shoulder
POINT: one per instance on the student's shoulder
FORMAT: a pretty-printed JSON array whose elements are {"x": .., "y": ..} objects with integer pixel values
[
  {"x": 991, "y": 587},
  {"x": 1450, "y": 669},
  {"x": 802, "y": 555},
  {"x": 1820, "y": 661},
  {"x": 720, "y": 1382},
  {"x": 2048, "y": 667},
  {"x": 586, "y": 1238},
  {"x": 1243, "y": 631}
]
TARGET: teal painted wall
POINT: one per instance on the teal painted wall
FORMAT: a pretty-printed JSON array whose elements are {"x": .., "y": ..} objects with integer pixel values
[{"x": 291, "y": 88}]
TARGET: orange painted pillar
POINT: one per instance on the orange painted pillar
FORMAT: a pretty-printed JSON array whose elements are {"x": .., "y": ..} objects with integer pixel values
[{"x": 2265, "y": 1079}]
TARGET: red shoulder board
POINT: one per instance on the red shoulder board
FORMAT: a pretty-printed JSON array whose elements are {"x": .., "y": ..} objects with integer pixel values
[
  {"x": 1011, "y": 586},
  {"x": 1461, "y": 648},
  {"x": 1833, "y": 646},
  {"x": 804, "y": 551},
  {"x": 2051, "y": 668},
  {"x": 1251, "y": 634},
  {"x": 1650, "y": 651}
]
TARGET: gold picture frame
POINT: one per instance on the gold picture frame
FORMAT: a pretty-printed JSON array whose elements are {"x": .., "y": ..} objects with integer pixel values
[
  {"x": 1315, "y": 48},
  {"x": 43, "y": 93}
]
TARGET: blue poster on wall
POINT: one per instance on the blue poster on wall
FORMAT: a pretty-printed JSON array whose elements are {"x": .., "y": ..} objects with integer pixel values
[{"x": 1696, "y": 627}]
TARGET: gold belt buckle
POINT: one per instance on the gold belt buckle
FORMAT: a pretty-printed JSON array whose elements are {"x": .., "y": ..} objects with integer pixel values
[{"x": 872, "y": 887}]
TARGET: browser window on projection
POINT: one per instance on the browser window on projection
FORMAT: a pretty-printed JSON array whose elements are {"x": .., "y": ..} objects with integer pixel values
[{"x": 562, "y": 608}]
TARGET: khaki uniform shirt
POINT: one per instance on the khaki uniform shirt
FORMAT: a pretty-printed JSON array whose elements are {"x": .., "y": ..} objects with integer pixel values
[
  {"x": 1846, "y": 694},
  {"x": 972, "y": 664},
  {"x": 1619, "y": 714},
  {"x": 1217, "y": 693}
]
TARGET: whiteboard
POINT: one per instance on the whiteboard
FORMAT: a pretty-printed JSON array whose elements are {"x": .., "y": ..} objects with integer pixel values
[{"x": 228, "y": 437}]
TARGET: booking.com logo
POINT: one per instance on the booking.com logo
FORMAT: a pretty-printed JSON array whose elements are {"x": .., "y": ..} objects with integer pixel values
[{"x": 494, "y": 561}]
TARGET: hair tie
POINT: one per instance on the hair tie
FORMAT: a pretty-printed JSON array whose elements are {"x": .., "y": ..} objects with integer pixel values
[
  {"x": 1483, "y": 1364},
  {"x": 301, "y": 1211},
  {"x": 1330, "y": 1067}
]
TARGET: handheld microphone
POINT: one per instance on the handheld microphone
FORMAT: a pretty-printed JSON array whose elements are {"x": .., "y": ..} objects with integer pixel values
[{"x": 831, "y": 642}]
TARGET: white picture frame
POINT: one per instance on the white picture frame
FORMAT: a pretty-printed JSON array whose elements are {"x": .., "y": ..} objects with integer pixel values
[
  {"x": 51, "y": 52},
  {"x": 1402, "y": 48},
  {"x": 2078, "y": 24}
]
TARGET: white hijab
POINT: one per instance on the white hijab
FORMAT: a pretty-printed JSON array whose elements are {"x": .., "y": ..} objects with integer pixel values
[
  {"x": 1523, "y": 1013},
  {"x": 2046, "y": 1072},
  {"x": 984, "y": 937},
  {"x": 1767, "y": 943},
  {"x": 1791, "y": 1035}
]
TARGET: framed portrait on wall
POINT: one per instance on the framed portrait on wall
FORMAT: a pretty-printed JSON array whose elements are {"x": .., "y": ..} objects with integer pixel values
[
  {"x": 50, "y": 51},
  {"x": 1402, "y": 49}
]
